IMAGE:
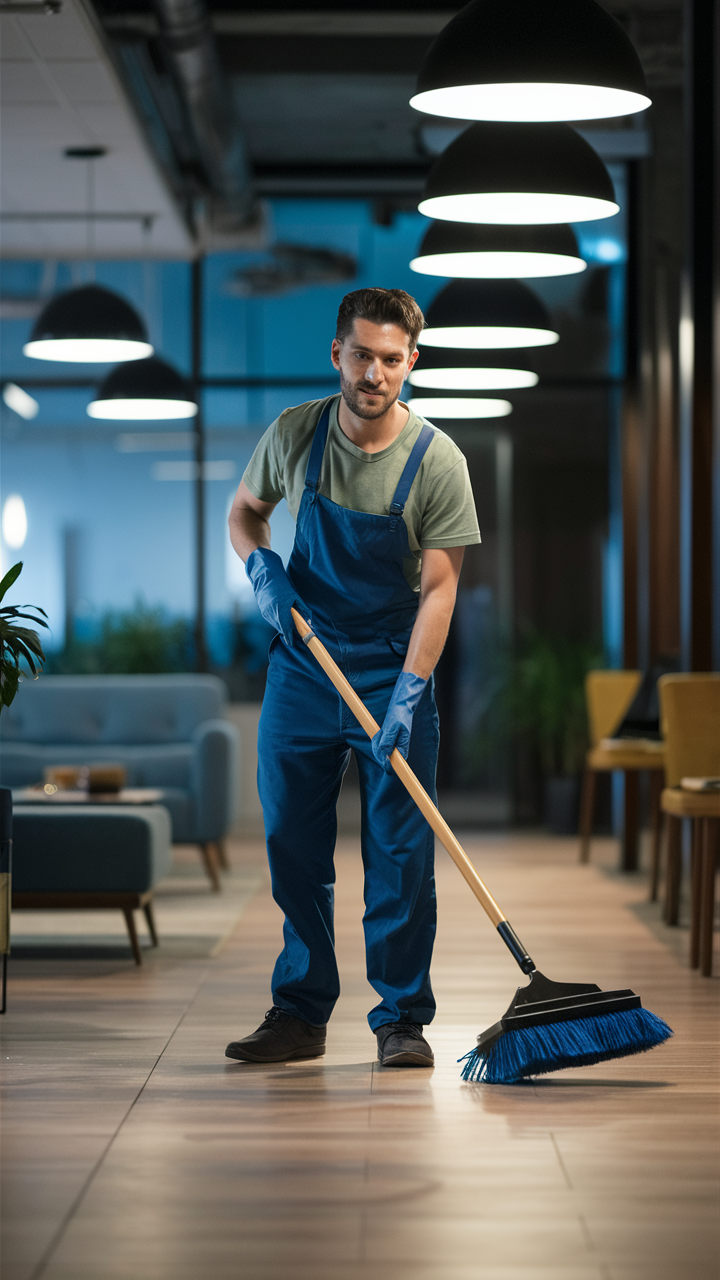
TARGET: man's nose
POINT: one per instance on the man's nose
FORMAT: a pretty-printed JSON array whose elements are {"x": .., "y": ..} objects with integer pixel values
[{"x": 373, "y": 373}]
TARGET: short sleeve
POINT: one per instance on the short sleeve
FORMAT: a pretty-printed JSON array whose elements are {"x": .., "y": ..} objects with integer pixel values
[
  {"x": 264, "y": 472},
  {"x": 449, "y": 518}
]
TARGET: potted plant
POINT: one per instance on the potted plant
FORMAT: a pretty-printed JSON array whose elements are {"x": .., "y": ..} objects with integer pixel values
[
  {"x": 547, "y": 696},
  {"x": 18, "y": 645}
]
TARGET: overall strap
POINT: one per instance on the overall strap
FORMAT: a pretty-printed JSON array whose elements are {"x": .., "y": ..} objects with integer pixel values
[
  {"x": 410, "y": 470},
  {"x": 312, "y": 474}
]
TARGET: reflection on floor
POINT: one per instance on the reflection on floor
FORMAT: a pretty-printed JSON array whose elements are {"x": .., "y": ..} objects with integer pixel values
[{"x": 133, "y": 1148}]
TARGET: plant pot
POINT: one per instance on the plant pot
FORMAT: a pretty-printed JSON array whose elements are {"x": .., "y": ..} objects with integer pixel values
[{"x": 562, "y": 805}]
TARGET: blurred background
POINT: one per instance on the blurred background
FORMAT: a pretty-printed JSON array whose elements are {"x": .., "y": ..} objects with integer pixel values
[{"x": 233, "y": 200}]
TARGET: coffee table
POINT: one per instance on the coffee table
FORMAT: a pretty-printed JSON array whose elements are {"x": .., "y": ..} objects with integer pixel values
[{"x": 128, "y": 795}]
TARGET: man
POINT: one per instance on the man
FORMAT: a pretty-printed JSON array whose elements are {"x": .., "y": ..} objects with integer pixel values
[{"x": 384, "y": 510}]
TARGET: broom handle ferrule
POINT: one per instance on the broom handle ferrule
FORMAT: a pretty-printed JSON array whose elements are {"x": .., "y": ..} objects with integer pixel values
[
  {"x": 407, "y": 777},
  {"x": 515, "y": 947}
]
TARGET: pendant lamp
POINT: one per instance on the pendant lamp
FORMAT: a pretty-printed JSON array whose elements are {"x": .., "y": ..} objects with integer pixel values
[
  {"x": 450, "y": 369},
  {"x": 518, "y": 173},
  {"x": 90, "y": 325},
  {"x": 143, "y": 389},
  {"x": 487, "y": 313},
  {"x": 472, "y": 251},
  {"x": 531, "y": 60},
  {"x": 459, "y": 407}
]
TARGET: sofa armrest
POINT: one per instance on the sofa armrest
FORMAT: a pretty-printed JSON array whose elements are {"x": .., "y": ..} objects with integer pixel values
[{"x": 214, "y": 778}]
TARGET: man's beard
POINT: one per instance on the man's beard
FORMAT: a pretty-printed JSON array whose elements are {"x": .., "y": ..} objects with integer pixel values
[{"x": 363, "y": 410}]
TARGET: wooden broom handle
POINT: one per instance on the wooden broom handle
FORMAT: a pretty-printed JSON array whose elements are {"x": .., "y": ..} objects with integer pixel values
[{"x": 403, "y": 771}]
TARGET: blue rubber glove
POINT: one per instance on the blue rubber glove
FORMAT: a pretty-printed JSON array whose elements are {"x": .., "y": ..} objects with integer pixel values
[
  {"x": 398, "y": 720},
  {"x": 274, "y": 592}
]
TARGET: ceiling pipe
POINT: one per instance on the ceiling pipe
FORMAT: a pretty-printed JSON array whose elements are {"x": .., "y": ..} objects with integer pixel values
[{"x": 189, "y": 43}]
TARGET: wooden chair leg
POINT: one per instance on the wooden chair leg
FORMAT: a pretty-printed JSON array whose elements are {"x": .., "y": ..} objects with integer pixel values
[
  {"x": 587, "y": 807},
  {"x": 656, "y": 786},
  {"x": 696, "y": 867},
  {"x": 707, "y": 910},
  {"x": 629, "y": 853},
  {"x": 210, "y": 860},
  {"x": 150, "y": 918},
  {"x": 132, "y": 931},
  {"x": 673, "y": 868},
  {"x": 223, "y": 859}
]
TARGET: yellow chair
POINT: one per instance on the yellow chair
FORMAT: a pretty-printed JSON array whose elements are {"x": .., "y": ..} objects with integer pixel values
[
  {"x": 690, "y": 716},
  {"x": 608, "y": 696}
]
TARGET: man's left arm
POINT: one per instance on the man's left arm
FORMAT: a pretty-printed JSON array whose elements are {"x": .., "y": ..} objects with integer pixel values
[{"x": 438, "y": 589}]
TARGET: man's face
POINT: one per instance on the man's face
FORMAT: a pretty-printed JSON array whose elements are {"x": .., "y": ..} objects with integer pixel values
[{"x": 373, "y": 361}]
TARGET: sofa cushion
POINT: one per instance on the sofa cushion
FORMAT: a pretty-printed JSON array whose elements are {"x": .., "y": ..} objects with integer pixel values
[
  {"x": 83, "y": 849},
  {"x": 92, "y": 710},
  {"x": 22, "y": 764}
]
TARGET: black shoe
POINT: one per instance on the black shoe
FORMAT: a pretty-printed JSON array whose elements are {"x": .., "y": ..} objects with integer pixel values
[
  {"x": 402, "y": 1044},
  {"x": 280, "y": 1037}
]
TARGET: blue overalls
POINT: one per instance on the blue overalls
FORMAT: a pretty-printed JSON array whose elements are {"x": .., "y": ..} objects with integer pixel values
[{"x": 347, "y": 566}]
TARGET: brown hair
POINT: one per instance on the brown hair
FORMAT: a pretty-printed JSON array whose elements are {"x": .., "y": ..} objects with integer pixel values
[{"x": 380, "y": 306}]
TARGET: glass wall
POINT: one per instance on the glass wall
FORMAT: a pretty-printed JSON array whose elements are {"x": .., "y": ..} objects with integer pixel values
[{"x": 109, "y": 550}]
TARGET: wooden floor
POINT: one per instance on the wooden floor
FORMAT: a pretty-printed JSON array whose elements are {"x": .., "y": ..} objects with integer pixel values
[{"x": 133, "y": 1149}]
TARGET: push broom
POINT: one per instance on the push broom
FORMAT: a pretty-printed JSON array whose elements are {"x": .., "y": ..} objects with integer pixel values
[{"x": 549, "y": 1025}]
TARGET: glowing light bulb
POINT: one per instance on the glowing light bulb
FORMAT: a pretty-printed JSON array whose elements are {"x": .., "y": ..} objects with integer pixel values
[
  {"x": 14, "y": 521},
  {"x": 470, "y": 337},
  {"x": 459, "y": 407},
  {"x": 141, "y": 409},
  {"x": 484, "y": 379}
]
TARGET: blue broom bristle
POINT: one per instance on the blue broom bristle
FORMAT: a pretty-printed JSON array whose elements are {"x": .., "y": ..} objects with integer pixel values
[{"x": 534, "y": 1051}]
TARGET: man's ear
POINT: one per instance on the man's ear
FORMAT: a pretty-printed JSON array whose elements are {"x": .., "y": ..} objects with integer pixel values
[
  {"x": 413, "y": 359},
  {"x": 335, "y": 352}
]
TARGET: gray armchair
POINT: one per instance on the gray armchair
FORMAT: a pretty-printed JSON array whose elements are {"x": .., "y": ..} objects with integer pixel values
[{"x": 168, "y": 731}]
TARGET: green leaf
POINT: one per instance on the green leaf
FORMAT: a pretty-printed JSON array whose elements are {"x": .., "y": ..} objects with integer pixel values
[
  {"x": 11, "y": 576},
  {"x": 9, "y": 680},
  {"x": 10, "y": 611}
]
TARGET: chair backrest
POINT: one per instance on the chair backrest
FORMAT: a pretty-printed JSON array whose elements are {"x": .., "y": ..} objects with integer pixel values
[
  {"x": 690, "y": 720},
  {"x": 608, "y": 695}
]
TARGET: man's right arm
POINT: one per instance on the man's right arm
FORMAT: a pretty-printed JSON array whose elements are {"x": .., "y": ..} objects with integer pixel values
[{"x": 249, "y": 522}]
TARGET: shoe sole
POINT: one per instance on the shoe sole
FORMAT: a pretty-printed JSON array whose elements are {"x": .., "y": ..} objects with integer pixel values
[
  {"x": 244, "y": 1056},
  {"x": 407, "y": 1059}
]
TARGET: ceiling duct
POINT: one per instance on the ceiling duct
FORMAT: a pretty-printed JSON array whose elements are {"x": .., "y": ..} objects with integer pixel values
[
  {"x": 189, "y": 44},
  {"x": 286, "y": 267}
]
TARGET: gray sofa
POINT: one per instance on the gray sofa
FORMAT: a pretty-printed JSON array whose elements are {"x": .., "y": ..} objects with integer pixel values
[{"x": 168, "y": 731}]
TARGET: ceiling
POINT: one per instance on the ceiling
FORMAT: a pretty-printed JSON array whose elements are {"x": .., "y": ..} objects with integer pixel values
[
  {"x": 60, "y": 92},
  {"x": 319, "y": 96}
]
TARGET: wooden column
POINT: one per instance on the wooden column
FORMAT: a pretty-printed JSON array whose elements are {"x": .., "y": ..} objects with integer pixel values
[
  {"x": 664, "y": 499},
  {"x": 698, "y": 488},
  {"x": 632, "y": 465}
]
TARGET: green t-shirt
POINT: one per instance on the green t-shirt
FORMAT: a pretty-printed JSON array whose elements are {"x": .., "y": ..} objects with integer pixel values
[{"x": 439, "y": 512}]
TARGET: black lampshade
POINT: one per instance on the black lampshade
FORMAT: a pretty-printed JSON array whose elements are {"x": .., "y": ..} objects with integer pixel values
[
  {"x": 531, "y": 60},
  {"x": 143, "y": 389},
  {"x": 454, "y": 369},
  {"x": 477, "y": 251},
  {"x": 90, "y": 324},
  {"x": 487, "y": 313},
  {"x": 518, "y": 173}
]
